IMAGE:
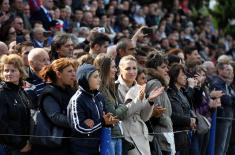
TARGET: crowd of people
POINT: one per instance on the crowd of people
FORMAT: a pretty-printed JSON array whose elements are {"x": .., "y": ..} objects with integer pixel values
[{"x": 160, "y": 79}]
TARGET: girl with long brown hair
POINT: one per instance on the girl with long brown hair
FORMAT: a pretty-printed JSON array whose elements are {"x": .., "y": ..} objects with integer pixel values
[{"x": 107, "y": 69}]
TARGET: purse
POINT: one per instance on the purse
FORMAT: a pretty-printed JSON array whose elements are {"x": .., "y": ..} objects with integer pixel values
[
  {"x": 45, "y": 133},
  {"x": 203, "y": 125}
]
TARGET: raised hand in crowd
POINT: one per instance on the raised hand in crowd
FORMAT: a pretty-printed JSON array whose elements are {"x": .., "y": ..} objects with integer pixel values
[
  {"x": 215, "y": 100},
  {"x": 4, "y": 17},
  {"x": 199, "y": 79},
  {"x": 142, "y": 92},
  {"x": 214, "y": 103},
  {"x": 158, "y": 111},
  {"x": 192, "y": 82},
  {"x": 216, "y": 93},
  {"x": 109, "y": 119},
  {"x": 92, "y": 31},
  {"x": 155, "y": 93},
  {"x": 138, "y": 34}
]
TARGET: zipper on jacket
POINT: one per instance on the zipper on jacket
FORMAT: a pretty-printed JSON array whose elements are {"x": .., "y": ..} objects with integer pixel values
[{"x": 93, "y": 98}]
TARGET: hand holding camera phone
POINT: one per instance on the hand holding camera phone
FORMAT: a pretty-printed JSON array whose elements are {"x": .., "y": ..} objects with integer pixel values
[
  {"x": 101, "y": 30},
  {"x": 147, "y": 31},
  {"x": 192, "y": 82}
]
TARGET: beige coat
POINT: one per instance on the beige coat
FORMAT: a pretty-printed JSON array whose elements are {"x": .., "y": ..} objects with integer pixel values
[{"x": 134, "y": 128}]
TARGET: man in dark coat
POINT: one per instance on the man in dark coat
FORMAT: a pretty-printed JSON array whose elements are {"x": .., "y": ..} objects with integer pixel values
[{"x": 225, "y": 112}]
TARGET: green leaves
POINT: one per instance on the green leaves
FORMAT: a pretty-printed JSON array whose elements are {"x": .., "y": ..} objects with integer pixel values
[{"x": 223, "y": 12}]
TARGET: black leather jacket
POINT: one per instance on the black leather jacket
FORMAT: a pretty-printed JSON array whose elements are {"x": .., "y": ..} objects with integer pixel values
[
  {"x": 53, "y": 102},
  {"x": 180, "y": 116},
  {"x": 14, "y": 115}
]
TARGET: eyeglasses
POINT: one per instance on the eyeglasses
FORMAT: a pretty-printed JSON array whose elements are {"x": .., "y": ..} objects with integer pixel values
[{"x": 20, "y": 23}]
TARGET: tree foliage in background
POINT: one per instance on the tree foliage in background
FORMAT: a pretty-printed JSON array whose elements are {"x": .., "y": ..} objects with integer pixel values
[{"x": 224, "y": 12}]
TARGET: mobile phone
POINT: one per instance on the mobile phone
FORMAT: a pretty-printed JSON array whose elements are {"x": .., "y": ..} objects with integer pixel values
[
  {"x": 101, "y": 29},
  {"x": 147, "y": 31}
]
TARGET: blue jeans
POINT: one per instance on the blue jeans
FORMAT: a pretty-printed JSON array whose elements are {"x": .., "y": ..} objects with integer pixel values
[
  {"x": 199, "y": 143},
  {"x": 223, "y": 134},
  {"x": 195, "y": 145},
  {"x": 2, "y": 150},
  {"x": 231, "y": 150},
  {"x": 116, "y": 146}
]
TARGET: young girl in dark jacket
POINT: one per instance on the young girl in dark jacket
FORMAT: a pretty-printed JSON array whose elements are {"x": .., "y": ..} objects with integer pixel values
[
  {"x": 107, "y": 70},
  {"x": 86, "y": 113}
]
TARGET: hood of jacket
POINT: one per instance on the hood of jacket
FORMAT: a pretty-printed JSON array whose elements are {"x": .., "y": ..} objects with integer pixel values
[{"x": 83, "y": 74}]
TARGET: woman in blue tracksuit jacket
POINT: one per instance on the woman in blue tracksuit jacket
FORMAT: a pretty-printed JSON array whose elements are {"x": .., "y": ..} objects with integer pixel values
[{"x": 85, "y": 113}]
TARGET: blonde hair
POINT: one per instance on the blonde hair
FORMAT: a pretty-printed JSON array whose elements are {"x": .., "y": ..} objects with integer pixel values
[
  {"x": 16, "y": 61},
  {"x": 126, "y": 58}
]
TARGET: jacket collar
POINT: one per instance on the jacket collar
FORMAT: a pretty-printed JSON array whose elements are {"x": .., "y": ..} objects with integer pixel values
[
  {"x": 33, "y": 76},
  {"x": 123, "y": 88},
  {"x": 91, "y": 93},
  {"x": 123, "y": 83},
  {"x": 217, "y": 79},
  {"x": 10, "y": 86}
]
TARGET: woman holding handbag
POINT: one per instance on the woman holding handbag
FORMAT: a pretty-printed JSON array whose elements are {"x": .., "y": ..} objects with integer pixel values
[
  {"x": 181, "y": 110},
  {"x": 139, "y": 108},
  {"x": 14, "y": 107},
  {"x": 60, "y": 78},
  {"x": 203, "y": 106}
]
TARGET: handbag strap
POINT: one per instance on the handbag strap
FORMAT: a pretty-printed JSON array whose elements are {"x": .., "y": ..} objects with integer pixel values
[{"x": 132, "y": 140}]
